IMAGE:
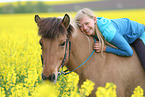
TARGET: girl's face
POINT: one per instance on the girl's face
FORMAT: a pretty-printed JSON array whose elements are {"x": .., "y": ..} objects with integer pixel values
[{"x": 87, "y": 25}]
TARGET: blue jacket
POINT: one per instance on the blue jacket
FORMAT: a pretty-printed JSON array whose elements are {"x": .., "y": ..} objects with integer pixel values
[{"x": 120, "y": 32}]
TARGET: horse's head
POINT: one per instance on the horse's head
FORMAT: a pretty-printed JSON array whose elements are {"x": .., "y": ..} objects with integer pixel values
[{"x": 54, "y": 34}]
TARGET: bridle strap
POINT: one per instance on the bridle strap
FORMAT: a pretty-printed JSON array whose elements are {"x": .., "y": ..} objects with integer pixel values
[
  {"x": 66, "y": 48},
  {"x": 62, "y": 64},
  {"x": 65, "y": 72}
]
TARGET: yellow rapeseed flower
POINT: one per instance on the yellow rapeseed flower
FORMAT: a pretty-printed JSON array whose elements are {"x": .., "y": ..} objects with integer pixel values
[
  {"x": 20, "y": 62},
  {"x": 19, "y": 91},
  {"x": 138, "y": 92},
  {"x": 108, "y": 91},
  {"x": 2, "y": 92},
  {"x": 87, "y": 87},
  {"x": 46, "y": 89}
]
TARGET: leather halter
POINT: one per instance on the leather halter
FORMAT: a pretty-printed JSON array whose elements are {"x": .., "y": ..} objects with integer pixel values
[
  {"x": 62, "y": 64},
  {"x": 65, "y": 72},
  {"x": 66, "y": 48}
]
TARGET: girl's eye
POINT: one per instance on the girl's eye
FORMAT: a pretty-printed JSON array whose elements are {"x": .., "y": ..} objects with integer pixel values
[
  {"x": 80, "y": 26},
  {"x": 63, "y": 44},
  {"x": 86, "y": 23}
]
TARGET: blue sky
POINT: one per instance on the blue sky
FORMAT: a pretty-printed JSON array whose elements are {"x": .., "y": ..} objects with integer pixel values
[{"x": 28, "y": 0}]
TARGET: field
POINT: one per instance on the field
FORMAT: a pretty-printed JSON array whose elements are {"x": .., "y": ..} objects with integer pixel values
[
  {"x": 51, "y": 2},
  {"x": 20, "y": 62}
]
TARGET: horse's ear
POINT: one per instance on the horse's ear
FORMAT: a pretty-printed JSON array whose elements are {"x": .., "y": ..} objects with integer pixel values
[
  {"x": 66, "y": 20},
  {"x": 37, "y": 19}
]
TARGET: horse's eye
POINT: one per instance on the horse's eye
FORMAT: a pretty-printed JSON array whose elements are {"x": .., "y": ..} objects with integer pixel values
[{"x": 63, "y": 44}]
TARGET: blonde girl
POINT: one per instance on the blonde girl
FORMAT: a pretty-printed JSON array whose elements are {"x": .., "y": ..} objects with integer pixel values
[{"x": 120, "y": 33}]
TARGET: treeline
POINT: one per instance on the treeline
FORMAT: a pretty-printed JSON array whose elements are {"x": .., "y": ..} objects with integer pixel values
[{"x": 29, "y": 7}]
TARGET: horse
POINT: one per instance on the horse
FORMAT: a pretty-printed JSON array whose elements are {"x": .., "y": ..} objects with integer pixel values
[{"x": 56, "y": 35}]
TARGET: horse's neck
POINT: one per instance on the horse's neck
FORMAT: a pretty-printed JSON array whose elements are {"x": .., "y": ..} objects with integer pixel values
[{"x": 81, "y": 47}]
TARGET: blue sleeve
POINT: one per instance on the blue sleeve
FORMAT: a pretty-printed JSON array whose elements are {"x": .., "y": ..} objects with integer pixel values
[
  {"x": 106, "y": 28},
  {"x": 123, "y": 47}
]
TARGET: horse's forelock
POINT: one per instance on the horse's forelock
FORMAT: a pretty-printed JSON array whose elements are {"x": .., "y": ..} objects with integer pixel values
[
  {"x": 49, "y": 27},
  {"x": 52, "y": 28}
]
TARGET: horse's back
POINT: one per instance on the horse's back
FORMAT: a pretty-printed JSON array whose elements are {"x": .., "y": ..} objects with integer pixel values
[
  {"x": 126, "y": 72},
  {"x": 130, "y": 71}
]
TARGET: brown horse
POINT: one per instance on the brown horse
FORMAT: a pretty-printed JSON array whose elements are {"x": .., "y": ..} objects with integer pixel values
[{"x": 125, "y": 72}]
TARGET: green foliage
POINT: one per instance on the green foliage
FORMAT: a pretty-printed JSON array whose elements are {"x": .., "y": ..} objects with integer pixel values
[{"x": 29, "y": 7}]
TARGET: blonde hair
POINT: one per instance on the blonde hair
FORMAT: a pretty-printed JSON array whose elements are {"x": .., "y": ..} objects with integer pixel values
[{"x": 90, "y": 14}]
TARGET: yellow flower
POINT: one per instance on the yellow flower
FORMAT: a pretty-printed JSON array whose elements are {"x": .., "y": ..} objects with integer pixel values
[
  {"x": 108, "y": 91},
  {"x": 138, "y": 92},
  {"x": 2, "y": 92},
  {"x": 87, "y": 87},
  {"x": 19, "y": 91},
  {"x": 46, "y": 89},
  {"x": 20, "y": 62}
]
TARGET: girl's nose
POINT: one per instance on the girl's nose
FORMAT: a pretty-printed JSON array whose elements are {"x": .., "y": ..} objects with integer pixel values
[{"x": 85, "y": 27}]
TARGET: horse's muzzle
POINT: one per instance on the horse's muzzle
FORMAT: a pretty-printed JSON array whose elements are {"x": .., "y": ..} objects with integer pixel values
[{"x": 51, "y": 78}]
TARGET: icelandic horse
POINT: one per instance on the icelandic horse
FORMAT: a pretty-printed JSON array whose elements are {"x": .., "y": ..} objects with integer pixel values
[{"x": 126, "y": 72}]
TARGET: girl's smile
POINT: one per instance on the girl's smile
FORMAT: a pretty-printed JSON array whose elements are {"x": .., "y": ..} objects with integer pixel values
[{"x": 87, "y": 25}]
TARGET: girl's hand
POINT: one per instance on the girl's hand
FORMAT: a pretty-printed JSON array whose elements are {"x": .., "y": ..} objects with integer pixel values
[{"x": 97, "y": 47}]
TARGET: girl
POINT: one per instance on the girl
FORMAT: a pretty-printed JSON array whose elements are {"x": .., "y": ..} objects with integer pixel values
[{"x": 120, "y": 33}]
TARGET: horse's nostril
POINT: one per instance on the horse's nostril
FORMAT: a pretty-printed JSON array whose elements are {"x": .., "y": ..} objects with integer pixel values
[
  {"x": 51, "y": 77},
  {"x": 43, "y": 77}
]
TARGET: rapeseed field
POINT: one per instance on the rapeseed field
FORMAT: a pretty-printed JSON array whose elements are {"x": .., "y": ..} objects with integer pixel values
[
  {"x": 20, "y": 62},
  {"x": 51, "y": 2}
]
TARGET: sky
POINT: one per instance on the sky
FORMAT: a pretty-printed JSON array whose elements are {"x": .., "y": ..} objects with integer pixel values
[{"x": 28, "y": 0}]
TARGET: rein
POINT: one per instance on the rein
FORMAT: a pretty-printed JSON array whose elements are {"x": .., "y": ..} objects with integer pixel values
[{"x": 62, "y": 65}]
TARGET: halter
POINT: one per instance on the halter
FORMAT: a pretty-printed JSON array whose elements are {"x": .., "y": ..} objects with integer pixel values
[{"x": 62, "y": 65}]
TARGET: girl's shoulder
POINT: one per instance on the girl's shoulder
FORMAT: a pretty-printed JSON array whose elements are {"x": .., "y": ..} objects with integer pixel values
[
  {"x": 102, "y": 19},
  {"x": 106, "y": 28},
  {"x": 103, "y": 23}
]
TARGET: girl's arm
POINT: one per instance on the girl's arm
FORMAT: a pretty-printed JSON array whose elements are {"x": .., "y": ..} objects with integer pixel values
[
  {"x": 123, "y": 47},
  {"x": 111, "y": 35}
]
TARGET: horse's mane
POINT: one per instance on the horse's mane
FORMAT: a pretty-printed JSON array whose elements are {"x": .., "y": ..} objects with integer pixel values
[{"x": 53, "y": 28}]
